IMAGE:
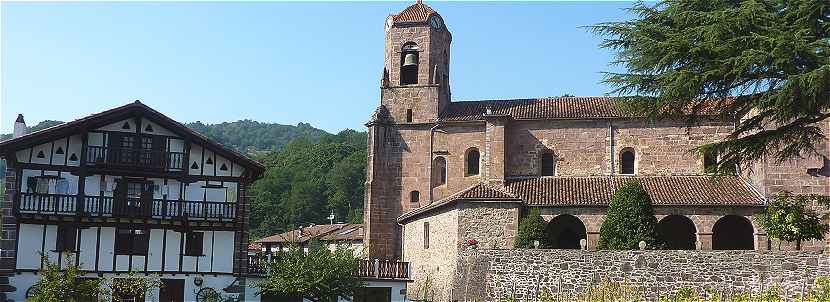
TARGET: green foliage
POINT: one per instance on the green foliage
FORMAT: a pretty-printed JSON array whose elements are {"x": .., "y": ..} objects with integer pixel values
[
  {"x": 820, "y": 291},
  {"x": 630, "y": 219},
  {"x": 683, "y": 58},
  {"x": 532, "y": 227},
  {"x": 59, "y": 286},
  {"x": 305, "y": 181},
  {"x": 256, "y": 138},
  {"x": 68, "y": 285},
  {"x": 789, "y": 217},
  {"x": 317, "y": 275}
]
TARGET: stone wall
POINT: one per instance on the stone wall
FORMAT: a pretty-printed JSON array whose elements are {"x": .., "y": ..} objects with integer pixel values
[
  {"x": 432, "y": 266},
  {"x": 492, "y": 275},
  {"x": 492, "y": 225}
]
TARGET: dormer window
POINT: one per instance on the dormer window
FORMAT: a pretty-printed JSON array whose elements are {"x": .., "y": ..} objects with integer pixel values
[{"x": 409, "y": 64}]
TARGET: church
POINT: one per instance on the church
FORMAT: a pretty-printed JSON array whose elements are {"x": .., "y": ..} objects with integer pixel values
[{"x": 443, "y": 175}]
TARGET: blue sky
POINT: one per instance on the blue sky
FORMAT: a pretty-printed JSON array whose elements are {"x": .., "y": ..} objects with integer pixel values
[{"x": 283, "y": 62}]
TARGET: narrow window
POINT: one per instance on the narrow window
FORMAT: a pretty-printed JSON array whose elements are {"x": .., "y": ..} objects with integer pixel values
[
  {"x": 65, "y": 239},
  {"x": 408, "y": 115},
  {"x": 627, "y": 161},
  {"x": 409, "y": 64},
  {"x": 193, "y": 243},
  {"x": 439, "y": 171},
  {"x": 473, "y": 159},
  {"x": 548, "y": 164},
  {"x": 426, "y": 235},
  {"x": 414, "y": 196},
  {"x": 710, "y": 161}
]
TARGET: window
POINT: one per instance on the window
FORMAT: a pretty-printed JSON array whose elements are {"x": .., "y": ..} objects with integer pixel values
[
  {"x": 65, "y": 239},
  {"x": 710, "y": 160},
  {"x": 439, "y": 171},
  {"x": 193, "y": 243},
  {"x": 414, "y": 196},
  {"x": 408, "y": 115},
  {"x": 131, "y": 242},
  {"x": 473, "y": 159},
  {"x": 409, "y": 64},
  {"x": 426, "y": 235},
  {"x": 627, "y": 161},
  {"x": 548, "y": 164}
]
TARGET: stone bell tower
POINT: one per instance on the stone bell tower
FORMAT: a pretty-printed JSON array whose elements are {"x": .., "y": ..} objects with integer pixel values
[{"x": 414, "y": 90}]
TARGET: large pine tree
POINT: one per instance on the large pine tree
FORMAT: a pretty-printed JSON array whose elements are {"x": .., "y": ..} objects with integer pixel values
[{"x": 764, "y": 62}]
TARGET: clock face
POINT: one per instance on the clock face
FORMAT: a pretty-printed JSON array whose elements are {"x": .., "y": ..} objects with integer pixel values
[{"x": 436, "y": 22}]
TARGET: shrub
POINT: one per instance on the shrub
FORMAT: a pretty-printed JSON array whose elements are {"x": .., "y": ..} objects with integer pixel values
[
  {"x": 789, "y": 217},
  {"x": 630, "y": 219},
  {"x": 532, "y": 227},
  {"x": 67, "y": 285}
]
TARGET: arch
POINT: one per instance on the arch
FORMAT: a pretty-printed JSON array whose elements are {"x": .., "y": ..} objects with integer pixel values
[
  {"x": 677, "y": 232},
  {"x": 414, "y": 196},
  {"x": 565, "y": 232},
  {"x": 473, "y": 161},
  {"x": 627, "y": 160},
  {"x": 710, "y": 160},
  {"x": 439, "y": 171},
  {"x": 409, "y": 64},
  {"x": 733, "y": 232},
  {"x": 548, "y": 164}
]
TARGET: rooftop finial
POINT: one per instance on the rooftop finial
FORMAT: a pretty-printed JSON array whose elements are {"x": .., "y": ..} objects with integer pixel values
[{"x": 419, "y": 1}]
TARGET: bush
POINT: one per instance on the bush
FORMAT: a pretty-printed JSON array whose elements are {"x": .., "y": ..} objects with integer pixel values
[
  {"x": 789, "y": 217},
  {"x": 630, "y": 219},
  {"x": 532, "y": 227}
]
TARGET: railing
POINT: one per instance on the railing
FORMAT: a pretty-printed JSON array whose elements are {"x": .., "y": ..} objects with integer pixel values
[
  {"x": 132, "y": 157},
  {"x": 38, "y": 203},
  {"x": 367, "y": 269}
]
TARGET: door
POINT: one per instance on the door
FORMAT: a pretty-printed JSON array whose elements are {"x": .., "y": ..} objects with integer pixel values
[
  {"x": 373, "y": 294},
  {"x": 172, "y": 290}
]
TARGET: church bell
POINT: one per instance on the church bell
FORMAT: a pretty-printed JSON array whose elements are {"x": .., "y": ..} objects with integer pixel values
[{"x": 410, "y": 59}]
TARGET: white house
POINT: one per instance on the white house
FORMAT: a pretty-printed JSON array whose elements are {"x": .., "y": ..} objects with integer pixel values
[{"x": 127, "y": 189}]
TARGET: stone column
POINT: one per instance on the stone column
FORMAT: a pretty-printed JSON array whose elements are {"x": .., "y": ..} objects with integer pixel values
[
  {"x": 705, "y": 241},
  {"x": 494, "y": 148}
]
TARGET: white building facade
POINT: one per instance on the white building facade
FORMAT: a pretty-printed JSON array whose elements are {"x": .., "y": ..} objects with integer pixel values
[{"x": 126, "y": 190}]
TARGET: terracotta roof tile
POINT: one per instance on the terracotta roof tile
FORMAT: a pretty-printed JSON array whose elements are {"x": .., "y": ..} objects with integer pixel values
[
  {"x": 698, "y": 190},
  {"x": 416, "y": 13},
  {"x": 542, "y": 108},
  {"x": 350, "y": 232},
  {"x": 479, "y": 192},
  {"x": 304, "y": 234}
]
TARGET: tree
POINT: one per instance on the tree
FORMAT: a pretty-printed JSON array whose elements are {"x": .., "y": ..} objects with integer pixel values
[
  {"x": 630, "y": 219},
  {"x": 317, "y": 275},
  {"x": 56, "y": 285},
  {"x": 789, "y": 217},
  {"x": 763, "y": 63},
  {"x": 531, "y": 228}
]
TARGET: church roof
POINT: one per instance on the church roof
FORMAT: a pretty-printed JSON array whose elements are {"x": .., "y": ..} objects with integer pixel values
[
  {"x": 675, "y": 190},
  {"x": 416, "y": 13},
  {"x": 539, "y": 108}
]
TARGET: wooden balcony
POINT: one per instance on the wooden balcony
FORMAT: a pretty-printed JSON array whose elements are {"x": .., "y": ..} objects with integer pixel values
[
  {"x": 95, "y": 206},
  {"x": 375, "y": 269},
  {"x": 144, "y": 159}
]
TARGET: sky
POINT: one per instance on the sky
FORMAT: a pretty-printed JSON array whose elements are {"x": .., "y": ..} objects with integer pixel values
[{"x": 280, "y": 62}]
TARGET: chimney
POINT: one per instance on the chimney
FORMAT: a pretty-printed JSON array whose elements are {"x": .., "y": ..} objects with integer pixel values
[{"x": 19, "y": 127}]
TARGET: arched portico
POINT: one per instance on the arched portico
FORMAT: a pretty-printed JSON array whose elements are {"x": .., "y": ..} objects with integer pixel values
[
  {"x": 732, "y": 232},
  {"x": 565, "y": 232},
  {"x": 677, "y": 232}
]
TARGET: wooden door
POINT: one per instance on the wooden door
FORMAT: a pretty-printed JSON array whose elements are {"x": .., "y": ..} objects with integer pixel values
[{"x": 172, "y": 290}]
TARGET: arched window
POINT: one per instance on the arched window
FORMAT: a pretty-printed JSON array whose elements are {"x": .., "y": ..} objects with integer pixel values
[
  {"x": 414, "y": 196},
  {"x": 473, "y": 159},
  {"x": 439, "y": 171},
  {"x": 409, "y": 64},
  {"x": 548, "y": 164},
  {"x": 710, "y": 160},
  {"x": 627, "y": 161}
]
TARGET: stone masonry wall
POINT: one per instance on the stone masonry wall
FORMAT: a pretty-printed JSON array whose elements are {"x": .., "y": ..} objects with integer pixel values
[
  {"x": 432, "y": 267},
  {"x": 491, "y": 275},
  {"x": 492, "y": 225}
]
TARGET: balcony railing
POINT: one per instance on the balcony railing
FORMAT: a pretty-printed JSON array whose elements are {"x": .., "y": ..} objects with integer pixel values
[
  {"x": 59, "y": 204},
  {"x": 134, "y": 158},
  {"x": 367, "y": 269}
]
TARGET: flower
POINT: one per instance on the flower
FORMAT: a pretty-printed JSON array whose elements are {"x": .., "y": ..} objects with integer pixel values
[{"x": 472, "y": 242}]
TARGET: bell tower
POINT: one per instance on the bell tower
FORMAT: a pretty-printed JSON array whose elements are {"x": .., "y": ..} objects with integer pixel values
[
  {"x": 415, "y": 83},
  {"x": 414, "y": 90}
]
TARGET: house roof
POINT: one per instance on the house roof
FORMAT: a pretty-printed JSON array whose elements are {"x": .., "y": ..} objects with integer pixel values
[
  {"x": 132, "y": 109},
  {"x": 477, "y": 192},
  {"x": 416, "y": 13},
  {"x": 676, "y": 190},
  {"x": 323, "y": 232}
]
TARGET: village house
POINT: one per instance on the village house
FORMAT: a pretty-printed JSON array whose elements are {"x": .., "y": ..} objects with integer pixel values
[
  {"x": 445, "y": 174},
  {"x": 126, "y": 190},
  {"x": 328, "y": 235}
]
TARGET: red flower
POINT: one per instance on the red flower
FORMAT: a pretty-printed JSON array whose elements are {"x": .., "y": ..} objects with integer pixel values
[{"x": 472, "y": 242}]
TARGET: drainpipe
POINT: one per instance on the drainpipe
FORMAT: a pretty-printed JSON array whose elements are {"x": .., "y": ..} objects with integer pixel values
[
  {"x": 429, "y": 162},
  {"x": 611, "y": 142}
]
